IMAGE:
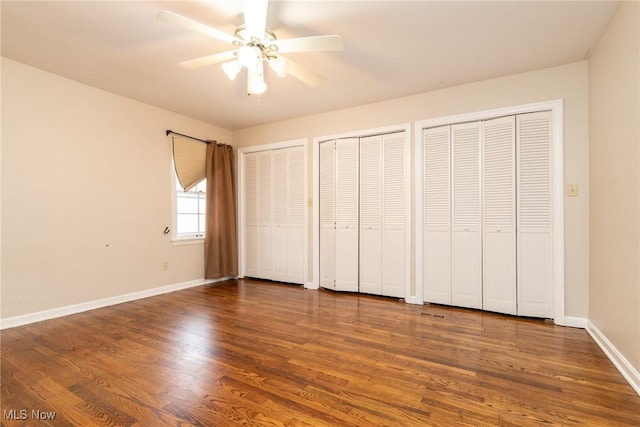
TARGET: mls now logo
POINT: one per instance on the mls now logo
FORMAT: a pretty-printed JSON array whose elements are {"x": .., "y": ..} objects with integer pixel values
[{"x": 23, "y": 414}]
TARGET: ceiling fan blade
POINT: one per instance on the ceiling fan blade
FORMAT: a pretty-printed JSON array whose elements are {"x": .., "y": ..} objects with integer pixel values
[
  {"x": 310, "y": 44},
  {"x": 303, "y": 74},
  {"x": 194, "y": 64},
  {"x": 196, "y": 26},
  {"x": 255, "y": 18}
]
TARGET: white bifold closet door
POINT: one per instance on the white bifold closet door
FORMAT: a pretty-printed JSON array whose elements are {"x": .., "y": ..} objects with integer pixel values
[
  {"x": 437, "y": 214},
  {"x": 279, "y": 209},
  {"x": 273, "y": 209},
  {"x": 327, "y": 214},
  {"x": 265, "y": 232},
  {"x": 382, "y": 215},
  {"x": 371, "y": 215},
  {"x": 288, "y": 214},
  {"x": 339, "y": 214},
  {"x": 466, "y": 246},
  {"x": 297, "y": 209},
  {"x": 499, "y": 216},
  {"x": 250, "y": 212},
  {"x": 534, "y": 225},
  {"x": 488, "y": 215}
]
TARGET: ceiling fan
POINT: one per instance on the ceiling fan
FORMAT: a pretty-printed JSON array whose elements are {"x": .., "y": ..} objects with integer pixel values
[{"x": 256, "y": 44}]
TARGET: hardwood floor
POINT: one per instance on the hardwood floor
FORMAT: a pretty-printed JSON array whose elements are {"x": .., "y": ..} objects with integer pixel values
[{"x": 259, "y": 353}]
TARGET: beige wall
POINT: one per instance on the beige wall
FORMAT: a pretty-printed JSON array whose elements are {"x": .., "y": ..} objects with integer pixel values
[
  {"x": 99, "y": 165},
  {"x": 614, "y": 113},
  {"x": 568, "y": 82},
  {"x": 83, "y": 168}
]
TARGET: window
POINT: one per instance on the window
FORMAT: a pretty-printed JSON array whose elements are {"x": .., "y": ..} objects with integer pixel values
[{"x": 190, "y": 211}]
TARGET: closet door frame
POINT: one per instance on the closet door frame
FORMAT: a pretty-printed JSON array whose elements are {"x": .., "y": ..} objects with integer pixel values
[
  {"x": 404, "y": 127},
  {"x": 240, "y": 159},
  {"x": 557, "y": 175}
]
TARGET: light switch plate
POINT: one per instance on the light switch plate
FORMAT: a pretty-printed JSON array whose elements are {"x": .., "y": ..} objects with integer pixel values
[{"x": 572, "y": 190}]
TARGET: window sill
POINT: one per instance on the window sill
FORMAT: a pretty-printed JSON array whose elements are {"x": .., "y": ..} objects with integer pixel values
[{"x": 181, "y": 241}]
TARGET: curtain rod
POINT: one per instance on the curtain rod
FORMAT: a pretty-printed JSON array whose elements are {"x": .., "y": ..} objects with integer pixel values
[{"x": 169, "y": 132}]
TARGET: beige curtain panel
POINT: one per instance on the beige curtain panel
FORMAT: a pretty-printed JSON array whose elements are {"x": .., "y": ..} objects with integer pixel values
[
  {"x": 220, "y": 241},
  {"x": 189, "y": 158}
]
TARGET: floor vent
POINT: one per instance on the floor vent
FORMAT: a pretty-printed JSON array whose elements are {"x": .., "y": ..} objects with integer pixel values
[{"x": 437, "y": 316}]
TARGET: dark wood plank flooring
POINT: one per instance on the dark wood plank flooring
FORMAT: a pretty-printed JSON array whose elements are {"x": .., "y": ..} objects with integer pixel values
[{"x": 259, "y": 353}]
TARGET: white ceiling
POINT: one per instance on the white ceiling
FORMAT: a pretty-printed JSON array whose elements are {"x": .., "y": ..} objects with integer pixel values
[{"x": 392, "y": 49}]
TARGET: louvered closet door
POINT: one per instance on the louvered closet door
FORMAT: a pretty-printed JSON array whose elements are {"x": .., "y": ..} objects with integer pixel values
[
  {"x": 394, "y": 215},
  {"x": 437, "y": 215},
  {"x": 347, "y": 215},
  {"x": 371, "y": 215},
  {"x": 250, "y": 211},
  {"x": 296, "y": 212},
  {"x": 265, "y": 235},
  {"x": 466, "y": 238},
  {"x": 499, "y": 213},
  {"x": 534, "y": 238},
  {"x": 327, "y": 214},
  {"x": 279, "y": 220}
]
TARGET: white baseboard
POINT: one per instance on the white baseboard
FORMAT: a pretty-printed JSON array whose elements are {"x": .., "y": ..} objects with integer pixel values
[
  {"x": 575, "y": 322},
  {"x": 12, "y": 322},
  {"x": 627, "y": 370}
]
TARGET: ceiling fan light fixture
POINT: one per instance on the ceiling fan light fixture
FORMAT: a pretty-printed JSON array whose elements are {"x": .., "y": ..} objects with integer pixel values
[
  {"x": 231, "y": 69},
  {"x": 255, "y": 80},
  {"x": 255, "y": 43},
  {"x": 279, "y": 65},
  {"x": 249, "y": 56}
]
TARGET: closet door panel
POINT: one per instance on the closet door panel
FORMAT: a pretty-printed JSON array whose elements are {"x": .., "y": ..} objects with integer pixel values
[
  {"x": 328, "y": 258},
  {"x": 394, "y": 215},
  {"x": 467, "y": 269},
  {"x": 327, "y": 214},
  {"x": 371, "y": 215},
  {"x": 535, "y": 272},
  {"x": 279, "y": 208},
  {"x": 265, "y": 232},
  {"x": 499, "y": 237},
  {"x": 534, "y": 239},
  {"x": 296, "y": 213},
  {"x": 437, "y": 215},
  {"x": 437, "y": 269},
  {"x": 250, "y": 211},
  {"x": 394, "y": 263},
  {"x": 347, "y": 215},
  {"x": 280, "y": 253},
  {"x": 466, "y": 238},
  {"x": 499, "y": 284},
  {"x": 295, "y": 248},
  {"x": 370, "y": 261}
]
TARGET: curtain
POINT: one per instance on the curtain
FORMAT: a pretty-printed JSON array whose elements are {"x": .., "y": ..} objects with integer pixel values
[{"x": 220, "y": 241}]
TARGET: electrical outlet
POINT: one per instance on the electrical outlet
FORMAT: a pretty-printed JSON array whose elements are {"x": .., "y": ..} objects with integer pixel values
[{"x": 165, "y": 265}]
